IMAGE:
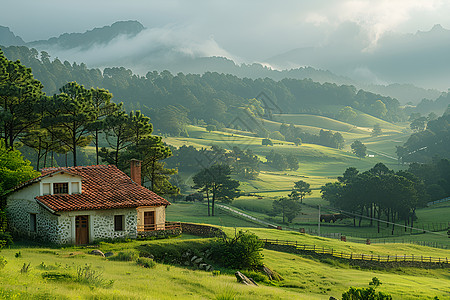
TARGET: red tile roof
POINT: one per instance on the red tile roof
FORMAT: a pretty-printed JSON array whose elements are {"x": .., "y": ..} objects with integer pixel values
[{"x": 103, "y": 187}]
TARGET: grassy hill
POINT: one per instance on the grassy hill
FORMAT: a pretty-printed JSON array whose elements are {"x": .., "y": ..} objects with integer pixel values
[
  {"x": 360, "y": 124},
  {"x": 319, "y": 164},
  {"x": 305, "y": 277}
]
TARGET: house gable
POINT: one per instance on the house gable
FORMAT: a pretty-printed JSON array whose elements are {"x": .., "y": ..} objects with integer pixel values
[{"x": 51, "y": 184}]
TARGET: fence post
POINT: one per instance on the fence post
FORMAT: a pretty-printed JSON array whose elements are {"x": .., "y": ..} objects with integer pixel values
[
  {"x": 388, "y": 258},
  {"x": 362, "y": 256}
]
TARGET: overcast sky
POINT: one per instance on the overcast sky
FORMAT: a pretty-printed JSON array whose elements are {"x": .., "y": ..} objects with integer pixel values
[{"x": 243, "y": 30}]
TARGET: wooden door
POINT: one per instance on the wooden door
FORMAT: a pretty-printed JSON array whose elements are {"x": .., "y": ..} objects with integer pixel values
[
  {"x": 149, "y": 220},
  {"x": 82, "y": 230}
]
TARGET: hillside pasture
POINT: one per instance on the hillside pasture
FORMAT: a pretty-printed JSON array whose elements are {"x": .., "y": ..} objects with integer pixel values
[{"x": 305, "y": 277}]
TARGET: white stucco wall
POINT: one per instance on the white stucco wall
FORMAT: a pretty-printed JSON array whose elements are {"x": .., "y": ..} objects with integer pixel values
[
  {"x": 60, "y": 178},
  {"x": 160, "y": 215}
]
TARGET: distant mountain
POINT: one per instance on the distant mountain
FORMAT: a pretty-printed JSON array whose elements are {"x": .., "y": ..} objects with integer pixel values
[
  {"x": 421, "y": 58},
  {"x": 405, "y": 93},
  {"x": 131, "y": 45},
  {"x": 97, "y": 36},
  {"x": 7, "y": 38}
]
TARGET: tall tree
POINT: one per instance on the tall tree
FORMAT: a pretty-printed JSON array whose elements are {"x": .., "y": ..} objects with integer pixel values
[
  {"x": 14, "y": 169},
  {"x": 118, "y": 136},
  {"x": 359, "y": 149},
  {"x": 102, "y": 107},
  {"x": 70, "y": 115},
  {"x": 203, "y": 183},
  {"x": 216, "y": 181},
  {"x": 139, "y": 126},
  {"x": 151, "y": 150},
  {"x": 376, "y": 131},
  {"x": 302, "y": 188},
  {"x": 20, "y": 94},
  {"x": 288, "y": 208}
]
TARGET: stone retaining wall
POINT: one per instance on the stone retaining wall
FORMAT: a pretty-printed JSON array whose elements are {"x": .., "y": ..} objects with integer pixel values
[
  {"x": 202, "y": 230},
  {"x": 158, "y": 233}
]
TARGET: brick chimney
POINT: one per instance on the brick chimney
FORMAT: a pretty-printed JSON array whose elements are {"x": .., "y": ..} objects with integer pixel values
[{"x": 135, "y": 171}]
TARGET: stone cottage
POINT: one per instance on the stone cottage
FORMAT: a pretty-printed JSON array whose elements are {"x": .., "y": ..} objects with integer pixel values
[{"x": 78, "y": 205}]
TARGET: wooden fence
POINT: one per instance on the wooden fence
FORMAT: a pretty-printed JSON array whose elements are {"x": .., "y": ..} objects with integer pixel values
[
  {"x": 161, "y": 226},
  {"x": 355, "y": 256},
  {"x": 438, "y": 201}
]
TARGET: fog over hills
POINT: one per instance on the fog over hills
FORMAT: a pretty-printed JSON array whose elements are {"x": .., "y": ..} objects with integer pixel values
[
  {"x": 420, "y": 58},
  {"x": 390, "y": 67}
]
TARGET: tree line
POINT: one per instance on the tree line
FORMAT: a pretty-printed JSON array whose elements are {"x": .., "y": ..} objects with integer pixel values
[
  {"x": 325, "y": 137},
  {"x": 211, "y": 97},
  {"x": 75, "y": 118},
  {"x": 431, "y": 139},
  {"x": 378, "y": 193}
]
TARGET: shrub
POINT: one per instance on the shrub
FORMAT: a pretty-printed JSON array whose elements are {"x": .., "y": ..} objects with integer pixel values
[
  {"x": 243, "y": 251},
  {"x": 364, "y": 294},
  {"x": 146, "y": 262},
  {"x": 256, "y": 276},
  {"x": 266, "y": 142},
  {"x": 57, "y": 276},
  {"x": 5, "y": 239},
  {"x": 3, "y": 262},
  {"x": 227, "y": 294},
  {"x": 124, "y": 256},
  {"x": 91, "y": 277},
  {"x": 173, "y": 252},
  {"x": 375, "y": 282},
  {"x": 43, "y": 266},
  {"x": 25, "y": 268}
]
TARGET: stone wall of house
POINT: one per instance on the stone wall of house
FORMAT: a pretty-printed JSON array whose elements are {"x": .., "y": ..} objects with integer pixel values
[
  {"x": 20, "y": 206},
  {"x": 103, "y": 224}
]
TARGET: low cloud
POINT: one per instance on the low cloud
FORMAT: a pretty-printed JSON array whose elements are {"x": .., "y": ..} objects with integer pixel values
[{"x": 150, "y": 49}]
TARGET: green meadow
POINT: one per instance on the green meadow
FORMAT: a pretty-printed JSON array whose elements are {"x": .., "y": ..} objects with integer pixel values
[
  {"x": 318, "y": 165},
  {"x": 305, "y": 277}
]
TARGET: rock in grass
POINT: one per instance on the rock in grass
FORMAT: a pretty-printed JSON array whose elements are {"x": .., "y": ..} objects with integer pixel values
[
  {"x": 198, "y": 260},
  {"x": 108, "y": 254}
]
